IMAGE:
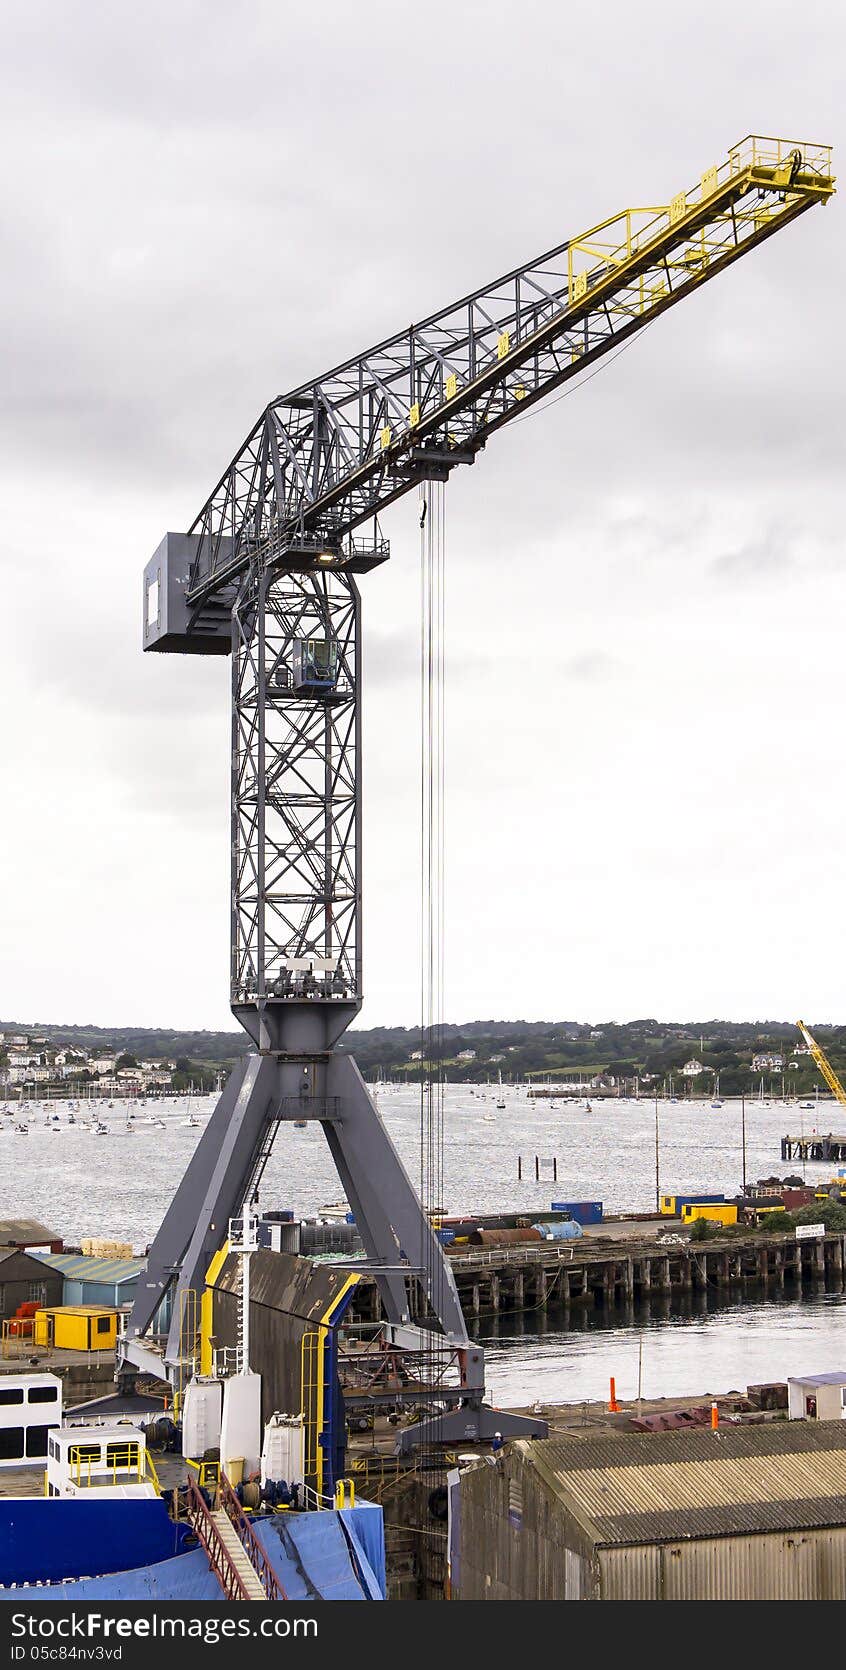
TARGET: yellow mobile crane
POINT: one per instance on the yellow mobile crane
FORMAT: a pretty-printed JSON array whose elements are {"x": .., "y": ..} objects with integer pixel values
[{"x": 824, "y": 1065}]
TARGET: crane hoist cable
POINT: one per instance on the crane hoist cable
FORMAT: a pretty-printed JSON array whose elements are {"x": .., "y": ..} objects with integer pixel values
[{"x": 432, "y": 840}]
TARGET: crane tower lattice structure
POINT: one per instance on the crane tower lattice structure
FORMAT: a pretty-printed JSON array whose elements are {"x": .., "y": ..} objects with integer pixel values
[{"x": 268, "y": 572}]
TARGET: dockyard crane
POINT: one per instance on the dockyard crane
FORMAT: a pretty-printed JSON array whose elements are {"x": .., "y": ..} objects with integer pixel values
[
  {"x": 824, "y": 1064},
  {"x": 268, "y": 573}
]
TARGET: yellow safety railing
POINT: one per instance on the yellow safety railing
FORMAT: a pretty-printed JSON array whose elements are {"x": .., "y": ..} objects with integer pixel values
[
  {"x": 190, "y": 1343},
  {"x": 208, "y": 1472},
  {"x": 629, "y": 235},
  {"x": 345, "y": 1488},
  {"x": 312, "y": 1391},
  {"x": 122, "y": 1464}
]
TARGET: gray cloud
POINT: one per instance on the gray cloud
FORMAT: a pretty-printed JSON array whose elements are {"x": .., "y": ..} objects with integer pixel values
[{"x": 203, "y": 205}]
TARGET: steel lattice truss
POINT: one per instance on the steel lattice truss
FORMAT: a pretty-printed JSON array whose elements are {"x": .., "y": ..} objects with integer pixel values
[
  {"x": 329, "y": 455},
  {"x": 295, "y": 928}
]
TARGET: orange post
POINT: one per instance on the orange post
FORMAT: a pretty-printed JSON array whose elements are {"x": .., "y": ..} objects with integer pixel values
[
  {"x": 715, "y": 1417},
  {"x": 612, "y": 1400}
]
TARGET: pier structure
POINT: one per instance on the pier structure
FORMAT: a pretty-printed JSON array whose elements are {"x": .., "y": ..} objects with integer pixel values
[
  {"x": 536, "y": 1277},
  {"x": 814, "y": 1147}
]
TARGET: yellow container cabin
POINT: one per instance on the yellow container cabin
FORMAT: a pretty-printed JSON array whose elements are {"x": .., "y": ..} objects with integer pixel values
[
  {"x": 721, "y": 1214},
  {"x": 76, "y": 1327}
]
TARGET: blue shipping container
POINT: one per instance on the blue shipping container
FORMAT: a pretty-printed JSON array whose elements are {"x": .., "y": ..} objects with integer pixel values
[
  {"x": 445, "y": 1236},
  {"x": 583, "y": 1211}
]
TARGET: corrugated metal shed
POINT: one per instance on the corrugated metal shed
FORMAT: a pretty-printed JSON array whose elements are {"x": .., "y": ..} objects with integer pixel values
[
  {"x": 690, "y": 1484},
  {"x": 740, "y": 1513},
  {"x": 95, "y": 1281}
]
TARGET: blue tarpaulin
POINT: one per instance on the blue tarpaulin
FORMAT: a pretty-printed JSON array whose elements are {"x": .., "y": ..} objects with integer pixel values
[
  {"x": 326, "y": 1556},
  {"x": 365, "y": 1528}
]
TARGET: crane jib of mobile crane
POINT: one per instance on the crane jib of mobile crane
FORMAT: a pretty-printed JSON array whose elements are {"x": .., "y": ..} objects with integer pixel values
[{"x": 822, "y": 1061}]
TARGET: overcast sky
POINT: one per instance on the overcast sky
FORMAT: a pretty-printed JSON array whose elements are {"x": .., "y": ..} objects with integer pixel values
[{"x": 205, "y": 204}]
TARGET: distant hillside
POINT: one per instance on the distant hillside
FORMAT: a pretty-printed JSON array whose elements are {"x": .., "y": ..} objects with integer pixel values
[{"x": 649, "y": 1050}]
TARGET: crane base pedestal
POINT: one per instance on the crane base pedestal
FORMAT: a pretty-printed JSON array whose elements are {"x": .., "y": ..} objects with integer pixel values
[{"x": 403, "y": 1254}]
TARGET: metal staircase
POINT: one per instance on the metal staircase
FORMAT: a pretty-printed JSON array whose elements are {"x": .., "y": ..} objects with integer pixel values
[{"x": 234, "y": 1552}]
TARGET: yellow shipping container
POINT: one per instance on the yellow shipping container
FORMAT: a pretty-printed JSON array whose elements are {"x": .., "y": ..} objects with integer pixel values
[
  {"x": 715, "y": 1214},
  {"x": 76, "y": 1327}
]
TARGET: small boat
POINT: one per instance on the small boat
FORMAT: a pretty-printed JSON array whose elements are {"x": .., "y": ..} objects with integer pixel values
[
  {"x": 100, "y": 1130},
  {"x": 300, "y": 1124},
  {"x": 23, "y": 1129}
]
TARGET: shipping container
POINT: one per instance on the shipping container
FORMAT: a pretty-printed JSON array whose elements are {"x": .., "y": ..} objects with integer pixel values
[
  {"x": 723, "y": 1214},
  {"x": 671, "y": 1205},
  {"x": 583, "y": 1211}
]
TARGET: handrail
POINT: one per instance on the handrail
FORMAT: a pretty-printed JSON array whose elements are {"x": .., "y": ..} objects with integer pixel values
[
  {"x": 249, "y": 1541},
  {"x": 219, "y": 1557}
]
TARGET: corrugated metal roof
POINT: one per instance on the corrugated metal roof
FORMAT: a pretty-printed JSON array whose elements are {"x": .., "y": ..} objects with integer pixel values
[
  {"x": 25, "y": 1229},
  {"x": 837, "y": 1377},
  {"x": 674, "y": 1485},
  {"x": 80, "y": 1267}
]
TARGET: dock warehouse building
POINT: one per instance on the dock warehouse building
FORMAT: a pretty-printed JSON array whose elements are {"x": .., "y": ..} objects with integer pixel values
[
  {"x": 24, "y": 1280},
  {"x": 740, "y": 1513},
  {"x": 95, "y": 1281}
]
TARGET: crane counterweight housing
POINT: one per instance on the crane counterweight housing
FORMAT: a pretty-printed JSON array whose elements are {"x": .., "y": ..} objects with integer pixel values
[
  {"x": 267, "y": 572},
  {"x": 167, "y": 615}
]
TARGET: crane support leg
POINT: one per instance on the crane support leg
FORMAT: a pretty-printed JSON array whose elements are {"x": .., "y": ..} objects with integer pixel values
[
  {"x": 388, "y": 1214},
  {"x": 398, "y": 1239},
  {"x": 212, "y": 1191}
]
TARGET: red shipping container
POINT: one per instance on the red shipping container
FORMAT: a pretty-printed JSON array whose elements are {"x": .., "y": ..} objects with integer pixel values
[{"x": 797, "y": 1197}]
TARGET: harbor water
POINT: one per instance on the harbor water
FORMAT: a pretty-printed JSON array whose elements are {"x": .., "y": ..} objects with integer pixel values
[{"x": 117, "y": 1182}]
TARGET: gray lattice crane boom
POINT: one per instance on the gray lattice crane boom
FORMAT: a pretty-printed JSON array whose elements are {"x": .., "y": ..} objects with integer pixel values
[{"x": 267, "y": 573}]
